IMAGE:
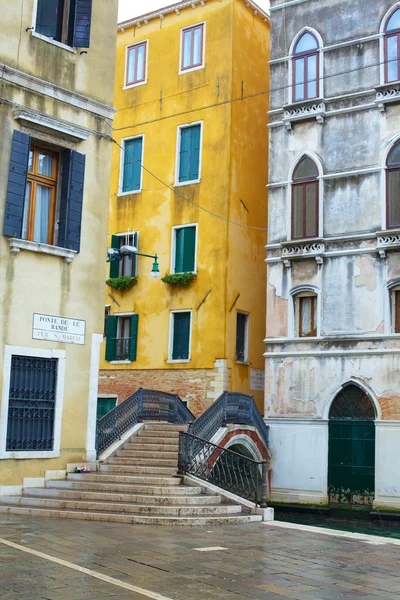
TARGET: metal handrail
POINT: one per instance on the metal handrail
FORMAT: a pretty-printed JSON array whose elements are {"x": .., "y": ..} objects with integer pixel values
[
  {"x": 230, "y": 407},
  {"x": 143, "y": 405},
  {"x": 224, "y": 468}
]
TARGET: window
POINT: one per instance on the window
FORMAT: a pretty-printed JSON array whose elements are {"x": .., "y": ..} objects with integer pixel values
[
  {"x": 306, "y": 314},
  {"x": 41, "y": 193},
  {"x": 192, "y": 47},
  {"x": 184, "y": 249},
  {"x": 189, "y": 155},
  {"x": 107, "y": 313},
  {"x": 122, "y": 334},
  {"x": 180, "y": 333},
  {"x": 136, "y": 64},
  {"x": 40, "y": 196},
  {"x": 392, "y": 48},
  {"x": 306, "y": 68},
  {"x": 65, "y": 21},
  {"x": 104, "y": 405},
  {"x": 32, "y": 399},
  {"x": 305, "y": 200},
  {"x": 242, "y": 337},
  {"x": 127, "y": 267},
  {"x": 393, "y": 188},
  {"x": 132, "y": 158}
]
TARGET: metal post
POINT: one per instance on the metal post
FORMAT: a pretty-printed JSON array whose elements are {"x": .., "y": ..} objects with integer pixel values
[
  {"x": 181, "y": 453},
  {"x": 224, "y": 409},
  {"x": 140, "y": 408},
  {"x": 177, "y": 400},
  {"x": 264, "y": 485}
]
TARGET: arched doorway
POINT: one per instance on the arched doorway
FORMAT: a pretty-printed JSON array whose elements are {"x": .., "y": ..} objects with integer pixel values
[{"x": 351, "y": 459}]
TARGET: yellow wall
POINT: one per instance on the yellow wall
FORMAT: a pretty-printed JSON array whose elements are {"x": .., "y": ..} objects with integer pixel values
[
  {"x": 189, "y": 98},
  {"x": 39, "y": 283}
]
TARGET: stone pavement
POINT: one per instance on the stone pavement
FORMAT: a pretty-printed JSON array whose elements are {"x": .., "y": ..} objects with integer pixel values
[{"x": 134, "y": 562}]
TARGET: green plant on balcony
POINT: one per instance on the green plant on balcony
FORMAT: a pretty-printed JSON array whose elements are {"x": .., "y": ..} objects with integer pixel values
[
  {"x": 179, "y": 279},
  {"x": 121, "y": 283}
]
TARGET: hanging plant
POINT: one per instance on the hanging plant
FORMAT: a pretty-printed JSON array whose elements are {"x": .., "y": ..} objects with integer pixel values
[
  {"x": 179, "y": 279},
  {"x": 122, "y": 283}
]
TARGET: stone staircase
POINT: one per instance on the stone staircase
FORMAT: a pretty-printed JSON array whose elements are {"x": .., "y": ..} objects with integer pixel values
[{"x": 138, "y": 484}]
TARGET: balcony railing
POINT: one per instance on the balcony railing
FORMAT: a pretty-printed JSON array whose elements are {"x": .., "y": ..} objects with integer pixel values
[{"x": 122, "y": 348}]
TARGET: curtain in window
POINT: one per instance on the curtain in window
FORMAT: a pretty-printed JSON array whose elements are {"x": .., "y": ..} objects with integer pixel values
[
  {"x": 42, "y": 214},
  {"x": 306, "y": 307}
]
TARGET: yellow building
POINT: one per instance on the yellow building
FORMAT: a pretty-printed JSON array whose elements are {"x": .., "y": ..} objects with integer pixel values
[
  {"x": 55, "y": 116},
  {"x": 191, "y": 102}
]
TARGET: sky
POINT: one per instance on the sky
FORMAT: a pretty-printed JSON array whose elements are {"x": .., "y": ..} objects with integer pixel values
[{"x": 134, "y": 8}]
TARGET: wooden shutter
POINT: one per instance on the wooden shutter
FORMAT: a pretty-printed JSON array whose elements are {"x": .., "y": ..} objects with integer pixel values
[
  {"x": 71, "y": 201},
  {"x": 111, "y": 345},
  {"x": 82, "y": 22},
  {"x": 17, "y": 175},
  {"x": 184, "y": 154},
  {"x": 179, "y": 250},
  {"x": 114, "y": 265},
  {"x": 134, "y": 337},
  {"x": 189, "y": 248},
  {"x": 180, "y": 350},
  {"x": 194, "y": 168},
  {"x": 132, "y": 175},
  {"x": 135, "y": 258}
]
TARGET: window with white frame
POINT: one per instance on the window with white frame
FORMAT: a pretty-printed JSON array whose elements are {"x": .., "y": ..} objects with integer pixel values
[
  {"x": 180, "y": 335},
  {"x": 184, "y": 241},
  {"x": 192, "y": 47},
  {"x": 131, "y": 165},
  {"x": 306, "y": 68},
  {"x": 242, "y": 337},
  {"x": 136, "y": 64},
  {"x": 392, "y": 47},
  {"x": 189, "y": 153},
  {"x": 306, "y": 314}
]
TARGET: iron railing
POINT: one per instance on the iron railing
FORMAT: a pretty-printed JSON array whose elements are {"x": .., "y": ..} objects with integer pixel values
[
  {"x": 122, "y": 348},
  {"x": 230, "y": 407},
  {"x": 143, "y": 405},
  {"x": 224, "y": 468}
]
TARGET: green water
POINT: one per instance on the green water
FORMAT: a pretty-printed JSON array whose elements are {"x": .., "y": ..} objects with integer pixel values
[{"x": 362, "y": 523}]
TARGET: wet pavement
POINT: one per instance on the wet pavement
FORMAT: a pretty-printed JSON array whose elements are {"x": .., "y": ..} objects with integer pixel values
[{"x": 59, "y": 559}]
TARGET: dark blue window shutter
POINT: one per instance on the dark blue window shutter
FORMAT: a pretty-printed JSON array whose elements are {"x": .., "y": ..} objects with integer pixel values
[
  {"x": 71, "y": 203},
  {"x": 82, "y": 21},
  {"x": 132, "y": 176},
  {"x": 17, "y": 174},
  {"x": 134, "y": 337}
]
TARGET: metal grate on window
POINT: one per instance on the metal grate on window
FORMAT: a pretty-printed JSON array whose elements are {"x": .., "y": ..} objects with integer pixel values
[{"x": 31, "y": 408}]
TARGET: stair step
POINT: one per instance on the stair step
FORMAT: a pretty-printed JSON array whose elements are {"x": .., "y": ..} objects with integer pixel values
[
  {"x": 160, "y": 426},
  {"x": 119, "y": 507},
  {"x": 158, "y": 441},
  {"x": 152, "y": 462},
  {"x": 145, "y": 470},
  {"x": 161, "y": 500},
  {"x": 126, "y": 518},
  {"x": 140, "y": 445},
  {"x": 161, "y": 434},
  {"x": 156, "y": 490},
  {"x": 122, "y": 478},
  {"x": 172, "y": 454}
]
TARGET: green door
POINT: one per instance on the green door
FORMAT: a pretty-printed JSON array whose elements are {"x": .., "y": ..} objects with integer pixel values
[{"x": 351, "y": 459}]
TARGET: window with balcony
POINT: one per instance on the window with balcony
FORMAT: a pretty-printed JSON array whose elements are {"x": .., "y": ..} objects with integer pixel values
[
  {"x": 305, "y": 200},
  {"x": 127, "y": 267},
  {"x": 192, "y": 47},
  {"x": 122, "y": 335},
  {"x": 306, "y": 68}
]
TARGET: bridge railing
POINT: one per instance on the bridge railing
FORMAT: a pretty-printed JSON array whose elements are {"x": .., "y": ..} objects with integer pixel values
[{"x": 143, "y": 405}]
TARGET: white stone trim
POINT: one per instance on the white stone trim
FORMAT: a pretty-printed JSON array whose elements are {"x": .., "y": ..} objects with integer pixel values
[
  {"x": 73, "y": 132},
  {"x": 9, "y": 351},
  {"x": 16, "y": 245},
  {"x": 40, "y": 86},
  {"x": 320, "y": 353},
  {"x": 10, "y": 490},
  {"x": 91, "y": 454},
  {"x": 334, "y": 338}
]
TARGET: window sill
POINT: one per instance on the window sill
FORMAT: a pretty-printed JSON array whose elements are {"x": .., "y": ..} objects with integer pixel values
[
  {"x": 14, "y": 455},
  {"x": 181, "y": 183},
  {"x": 16, "y": 245},
  {"x": 244, "y": 363},
  {"x": 134, "y": 85},
  {"x": 120, "y": 362},
  {"x": 190, "y": 69},
  {"x": 304, "y": 110},
  {"x": 174, "y": 362},
  {"x": 122, "y": 194},
  {"x": 54, "y": 42}
]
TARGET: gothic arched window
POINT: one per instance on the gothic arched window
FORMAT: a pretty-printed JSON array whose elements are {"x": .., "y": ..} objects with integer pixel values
[
  {"x": 392, "y": 47},
  {"x": 306, "y": 68},
  {"x": 393, "y": 188},
  {"x": 305, "y": 199}
]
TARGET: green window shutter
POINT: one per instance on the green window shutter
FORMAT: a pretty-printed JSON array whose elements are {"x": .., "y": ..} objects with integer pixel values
[
  {"x": 179, "y": 250},
  {"x": 104, "y": 405},
  {"x": 111, "y": 332},
  {"x": 194, "y": 169},
  {"x": 189, "y": 248},
  {"x": 184, "y": 155},
  {"x": 114, "y": 265},
  {"x": 132, "y": 175},
  {"x": 181, "y": 336},
  {"x": 135, "y": 258},
  {"x": 134, "y": 336}
]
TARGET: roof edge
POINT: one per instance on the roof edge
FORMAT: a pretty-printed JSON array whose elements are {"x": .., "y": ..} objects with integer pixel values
[{"x": 177, "y": 7}]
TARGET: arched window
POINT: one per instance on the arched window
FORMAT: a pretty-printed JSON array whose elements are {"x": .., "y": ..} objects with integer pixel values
[
  {"x": 392, "y": 47},
  {"x": 305, "y": 314},
  {"x": 305, "y": 200},
  {"x": 393, "y": 188},
  {"x": 306, "y": 68}
]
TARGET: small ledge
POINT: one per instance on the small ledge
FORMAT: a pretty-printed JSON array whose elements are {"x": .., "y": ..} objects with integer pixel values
[
  {"x": 387, "y": 240},
  {"x": 51, "y": 125},
  {"x": 387, "y": 94},
  {"x": 300, "y": 111},
  {"x": 177, "y": 362},
  {"x": 308, "y": 248},
  {"x": 17, "y": 245},
  {"x": 120, "y": 362},
  {"x": 54, "y": 42}
]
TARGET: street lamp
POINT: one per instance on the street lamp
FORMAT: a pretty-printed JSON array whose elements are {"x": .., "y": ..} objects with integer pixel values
[{"x": 129, "y": 251}]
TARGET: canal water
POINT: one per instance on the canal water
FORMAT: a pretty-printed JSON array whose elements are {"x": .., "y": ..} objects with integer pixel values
[{"x": 364, "y": 523}]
